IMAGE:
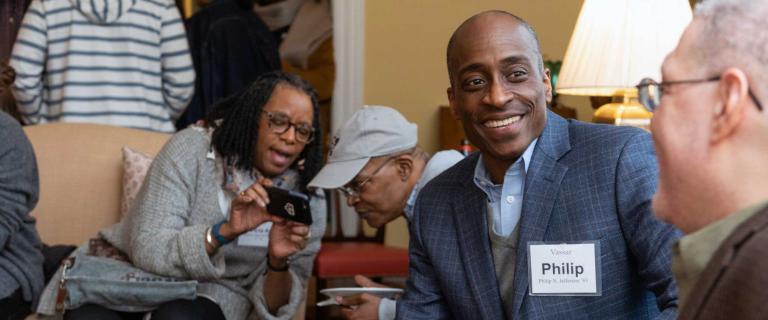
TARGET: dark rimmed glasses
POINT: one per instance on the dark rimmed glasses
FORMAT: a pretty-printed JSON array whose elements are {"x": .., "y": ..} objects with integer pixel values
[
  {"x": 352, "y": 189},
  {"x": 649, "y": 92},
  {"x": 280, "y": 123}
]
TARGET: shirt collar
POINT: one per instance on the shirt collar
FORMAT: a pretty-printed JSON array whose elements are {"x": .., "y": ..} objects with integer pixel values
[
  {"x": 482, "y": 178},
  {"x": 438, "y": 163}
]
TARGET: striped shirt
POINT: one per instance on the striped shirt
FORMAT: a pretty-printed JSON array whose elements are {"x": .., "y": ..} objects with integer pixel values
[{"x": 116, "y": 62}]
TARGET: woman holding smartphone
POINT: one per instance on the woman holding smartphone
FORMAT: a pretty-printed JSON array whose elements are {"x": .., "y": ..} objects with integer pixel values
[{"x": 201, "y": 211}]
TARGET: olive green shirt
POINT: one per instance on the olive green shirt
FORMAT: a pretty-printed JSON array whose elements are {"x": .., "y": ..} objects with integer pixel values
[{"x": 692, "y": 253}]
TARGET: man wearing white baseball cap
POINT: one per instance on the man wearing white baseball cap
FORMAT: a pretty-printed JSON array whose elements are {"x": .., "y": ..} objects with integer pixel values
[{"x": 374, "y": 159}]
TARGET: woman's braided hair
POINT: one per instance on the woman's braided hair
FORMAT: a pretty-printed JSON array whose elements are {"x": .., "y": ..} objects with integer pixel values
[{"x": 235, "y": 121}]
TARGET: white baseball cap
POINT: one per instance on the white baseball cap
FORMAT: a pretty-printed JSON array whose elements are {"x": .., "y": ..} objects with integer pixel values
[{"x": 372, "y": 131}]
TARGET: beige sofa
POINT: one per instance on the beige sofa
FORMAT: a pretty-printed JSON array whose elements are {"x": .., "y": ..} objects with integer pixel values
[
  {"x": 81, "y": 171},
  {"x": 80, "y": 167}
]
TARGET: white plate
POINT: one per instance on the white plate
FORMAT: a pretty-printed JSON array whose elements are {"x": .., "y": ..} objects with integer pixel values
[{"x": 343, "y": 292}]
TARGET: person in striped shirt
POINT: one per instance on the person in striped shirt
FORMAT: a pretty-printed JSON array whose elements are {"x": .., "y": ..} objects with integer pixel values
[{"x": 115, "y": 62}]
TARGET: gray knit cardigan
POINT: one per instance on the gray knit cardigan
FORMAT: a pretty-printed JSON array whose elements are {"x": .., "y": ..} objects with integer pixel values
[{"x": 164, "y": 233}]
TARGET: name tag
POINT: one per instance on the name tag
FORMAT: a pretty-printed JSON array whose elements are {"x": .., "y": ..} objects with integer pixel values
[
  {"x": 564, "y": 269},
  {"x": 258, "y": 237}
]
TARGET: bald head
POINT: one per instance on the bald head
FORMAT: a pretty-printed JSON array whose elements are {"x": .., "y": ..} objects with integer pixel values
[
  {"x": 732, "y": 33},
  {"x": 481, "y": 21}
]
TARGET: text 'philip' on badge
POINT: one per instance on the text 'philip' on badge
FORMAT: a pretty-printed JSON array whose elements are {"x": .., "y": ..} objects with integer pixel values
[{"x": 564, "y": 269}]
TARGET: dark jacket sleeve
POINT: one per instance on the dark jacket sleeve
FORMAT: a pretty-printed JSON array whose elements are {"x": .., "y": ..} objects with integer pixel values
[
  {"x": 422, "y": 298},
  {"x": 650, "y": 240}
]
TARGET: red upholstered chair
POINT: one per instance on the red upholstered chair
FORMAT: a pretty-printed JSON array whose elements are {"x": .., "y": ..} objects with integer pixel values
[
  {"x": 341, "y": 257},
  {"x": 338, "y": 259}
]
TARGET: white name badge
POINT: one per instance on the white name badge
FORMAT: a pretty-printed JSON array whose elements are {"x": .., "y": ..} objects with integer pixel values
[
  {"x": 258, "y": 237},
  {"x": 564, "y": 269}
]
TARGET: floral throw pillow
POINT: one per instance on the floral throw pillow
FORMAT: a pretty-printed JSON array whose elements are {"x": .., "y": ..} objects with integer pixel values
[{"x": 135, "y": 167}]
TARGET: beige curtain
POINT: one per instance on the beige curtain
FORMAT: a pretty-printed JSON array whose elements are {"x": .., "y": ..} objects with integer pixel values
[{"x": 349, "y": 45}]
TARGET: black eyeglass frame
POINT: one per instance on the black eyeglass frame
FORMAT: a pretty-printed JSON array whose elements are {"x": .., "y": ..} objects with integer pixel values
[
  {"x": 354, "y": 191},
  {"x": 272, "y": 115},
  {"x": 651, "y": 101}
]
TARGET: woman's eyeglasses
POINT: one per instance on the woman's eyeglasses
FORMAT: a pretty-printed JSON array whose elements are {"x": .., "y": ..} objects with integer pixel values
[{"x": 280, "y": 123}]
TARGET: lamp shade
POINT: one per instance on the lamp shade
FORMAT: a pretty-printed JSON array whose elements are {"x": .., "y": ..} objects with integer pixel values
[{"x": 616, "y": 43}]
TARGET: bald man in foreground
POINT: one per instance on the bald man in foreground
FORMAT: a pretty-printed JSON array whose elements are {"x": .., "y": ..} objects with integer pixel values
[
  {"x": 711, "y": 132},
  {"x": 552, "y": 218}
]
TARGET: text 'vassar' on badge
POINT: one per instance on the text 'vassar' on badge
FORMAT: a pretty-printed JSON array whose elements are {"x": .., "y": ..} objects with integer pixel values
[{"x": 564, "y": 269}]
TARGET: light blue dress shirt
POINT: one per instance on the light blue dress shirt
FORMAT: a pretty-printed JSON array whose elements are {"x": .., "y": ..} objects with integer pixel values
[{"x": 505, "y": 200}]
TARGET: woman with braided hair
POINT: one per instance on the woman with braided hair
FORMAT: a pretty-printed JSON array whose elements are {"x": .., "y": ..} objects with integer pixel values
[{"x": 201, "y": 211}]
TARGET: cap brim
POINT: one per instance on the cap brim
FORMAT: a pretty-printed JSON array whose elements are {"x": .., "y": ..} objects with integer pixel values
[{"x": 336, "y": 174}]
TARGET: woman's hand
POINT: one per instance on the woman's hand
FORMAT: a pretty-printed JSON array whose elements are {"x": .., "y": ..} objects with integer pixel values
[
  {"x": 285, "y": 239},
  {"x": 248, "y": 210}
]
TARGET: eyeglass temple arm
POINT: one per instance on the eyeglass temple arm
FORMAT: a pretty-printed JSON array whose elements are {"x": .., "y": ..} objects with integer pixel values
[{"x": 754, "y": 99}]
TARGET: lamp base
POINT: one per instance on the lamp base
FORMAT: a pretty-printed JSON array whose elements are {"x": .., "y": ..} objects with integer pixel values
[{"x": 627, "y": 112}]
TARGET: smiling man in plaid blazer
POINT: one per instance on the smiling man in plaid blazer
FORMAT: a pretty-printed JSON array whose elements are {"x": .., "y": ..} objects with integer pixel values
[{"x": 537, "y": 177}]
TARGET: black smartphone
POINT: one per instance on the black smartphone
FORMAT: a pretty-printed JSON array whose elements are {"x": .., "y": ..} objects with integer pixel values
[{"x": 290, "y": 205}]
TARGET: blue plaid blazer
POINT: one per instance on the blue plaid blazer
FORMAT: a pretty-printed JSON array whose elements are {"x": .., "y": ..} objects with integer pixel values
[{"x": 585, "y": 182}]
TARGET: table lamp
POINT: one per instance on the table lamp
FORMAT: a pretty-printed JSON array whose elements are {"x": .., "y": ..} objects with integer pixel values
[{"x": 615, "y": 44}]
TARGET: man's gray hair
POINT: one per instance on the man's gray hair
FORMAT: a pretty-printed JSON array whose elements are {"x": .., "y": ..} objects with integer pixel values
[{"x": 734, "y": 34}]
